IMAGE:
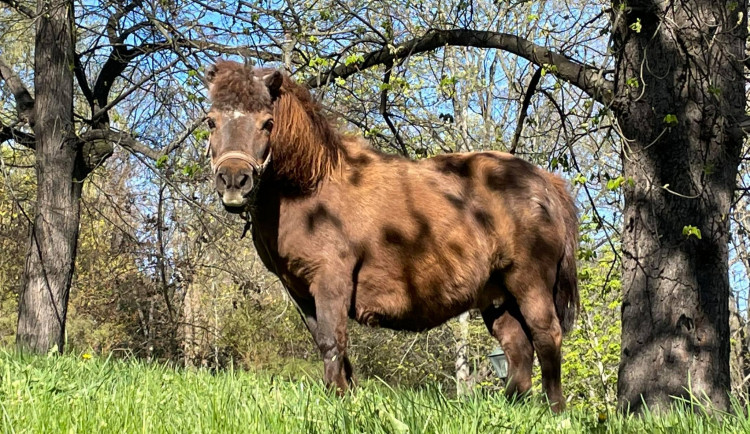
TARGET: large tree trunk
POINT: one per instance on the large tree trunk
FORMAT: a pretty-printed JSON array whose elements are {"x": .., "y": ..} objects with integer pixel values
[
  {"x": 686, "y": 56},
  {"x": 54, "y": 234}
]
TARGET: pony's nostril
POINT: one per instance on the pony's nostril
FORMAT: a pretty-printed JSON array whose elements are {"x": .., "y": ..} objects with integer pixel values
[
  {"x": 223, "y": 179},
  {"x": 243, "y": 180}
]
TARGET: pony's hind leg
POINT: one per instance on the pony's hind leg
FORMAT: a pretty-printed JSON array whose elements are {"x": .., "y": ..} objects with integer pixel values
[
  {"x": 506, "y": 325},
  {"x": 534, "y": 297}
]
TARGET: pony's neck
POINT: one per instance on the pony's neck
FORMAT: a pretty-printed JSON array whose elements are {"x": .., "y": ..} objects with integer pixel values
[{"x": 305, "y": 147}]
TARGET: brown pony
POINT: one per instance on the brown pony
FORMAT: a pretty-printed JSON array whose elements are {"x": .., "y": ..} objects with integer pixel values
[{"x": 352, "y": 232}]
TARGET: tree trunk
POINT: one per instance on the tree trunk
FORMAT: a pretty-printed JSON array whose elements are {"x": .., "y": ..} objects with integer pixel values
[
  {"x": 54, "y": 234},
  {"x": 738, "y": 350},
  {"x": 679, "y": 93},
  {"x": 190, "y": 333},
  {"x": 463, "y": 371}
]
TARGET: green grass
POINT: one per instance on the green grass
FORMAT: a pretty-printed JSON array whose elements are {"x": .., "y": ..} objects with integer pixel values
[{"x": 73, "y": 394}]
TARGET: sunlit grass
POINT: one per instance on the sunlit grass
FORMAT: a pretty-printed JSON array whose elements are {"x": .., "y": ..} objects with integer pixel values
[{"x": 91, "y": 394}]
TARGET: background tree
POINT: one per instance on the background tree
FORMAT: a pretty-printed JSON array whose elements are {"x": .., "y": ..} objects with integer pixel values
[
  {"x": 115, "y": 53},
  {"x": 681, "y": 148},
  {"x": 52, "y": 247}
]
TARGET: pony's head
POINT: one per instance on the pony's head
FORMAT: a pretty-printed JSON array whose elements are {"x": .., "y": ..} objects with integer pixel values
[{"x": 240, "y": 122}]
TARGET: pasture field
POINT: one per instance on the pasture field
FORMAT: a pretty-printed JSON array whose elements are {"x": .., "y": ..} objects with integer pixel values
[{"x": 80, "y": 393}]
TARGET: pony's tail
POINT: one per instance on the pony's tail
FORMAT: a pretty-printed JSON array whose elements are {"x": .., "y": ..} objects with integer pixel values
[{"x": 567, "y": 299}]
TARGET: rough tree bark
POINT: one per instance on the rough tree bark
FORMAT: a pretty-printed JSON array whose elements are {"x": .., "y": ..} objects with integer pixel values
[
  {"x": 49, "y": 263},
  {"x": 681, "y": 150}
]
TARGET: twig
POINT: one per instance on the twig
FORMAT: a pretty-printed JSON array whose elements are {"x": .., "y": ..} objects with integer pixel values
[
  {"x": 384, "y": 109},
  {"x": 524, "y": 108}
]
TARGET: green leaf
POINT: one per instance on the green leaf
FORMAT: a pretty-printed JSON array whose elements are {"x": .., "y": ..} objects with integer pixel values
[
  {"x": 670, "y": 120},
  {"x": 191, "y": 97},
  {"x": 615, "y": 183},
  {"x": 636, "y": 26},
  {"x": 632, "y": 82},
  {"x": 318, "y": 61},
  {"x": 354, "y": 58},
  {"x": 201, "y": 134},
  {"x": 690, "y": 230},
  {"x": 190, "y": 170},
  {"x": 448, "y": 81},
  {"x": 161, "y": 162}
]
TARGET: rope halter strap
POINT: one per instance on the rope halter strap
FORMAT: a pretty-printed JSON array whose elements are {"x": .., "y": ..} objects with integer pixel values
[
  {"x": 243, "y": 156},
  {"x": 234, "y": 155}
]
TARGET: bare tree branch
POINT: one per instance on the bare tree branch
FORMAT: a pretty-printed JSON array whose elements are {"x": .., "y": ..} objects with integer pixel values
[
  {"x": 25, "y": 11},
  {"x": 588, "y": 78},
  {"x": 118, "y": 61},
  {"x": 524, "y": 108},
  {"x": 103, "y": 111},
  {"x": 179, "y": 140},
  {"x": 114, "y": 20},
  {"x": 83, "y": 82},
  {"x": 123, "y": 139},
  {"x": 122, "y": 55},
  {"x": 24, "y": 101},
  {"x": 133, "y": 145},
  {"x": 744, "y": 125},
  {"x": 229, "y": 49},
  {"x": 10, "y": 133},
  {"x": 386, "y": 114}
]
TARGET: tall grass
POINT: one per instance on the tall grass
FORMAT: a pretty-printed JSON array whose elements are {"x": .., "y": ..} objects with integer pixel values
[{"x": 78, "y": 394}]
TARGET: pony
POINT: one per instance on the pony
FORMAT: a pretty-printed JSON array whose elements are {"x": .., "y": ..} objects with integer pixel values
[{"x": 352, "y": 232}]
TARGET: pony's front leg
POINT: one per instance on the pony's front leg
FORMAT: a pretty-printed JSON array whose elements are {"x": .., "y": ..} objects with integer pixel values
[
  {"x": 306, "y": 309},
  {"x": 332, "y": 299}
]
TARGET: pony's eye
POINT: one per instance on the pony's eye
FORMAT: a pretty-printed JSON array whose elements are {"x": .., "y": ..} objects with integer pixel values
[
  {"x": 211, "y": 123},
  {"x": 268, "y": 125}
]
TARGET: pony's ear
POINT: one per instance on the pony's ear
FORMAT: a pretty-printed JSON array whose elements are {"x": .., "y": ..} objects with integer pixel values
[
  {"x": 208, "y": 78},
  {"x": 273, "y": 83},
  {"x": 210, "y": 74}
]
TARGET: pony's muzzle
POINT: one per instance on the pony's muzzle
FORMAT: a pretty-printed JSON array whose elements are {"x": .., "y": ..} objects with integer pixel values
[{"x": 234, "y": 184}]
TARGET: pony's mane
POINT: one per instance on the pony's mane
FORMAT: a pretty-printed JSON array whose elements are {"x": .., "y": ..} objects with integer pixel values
[{"x": 305, "y": 145}]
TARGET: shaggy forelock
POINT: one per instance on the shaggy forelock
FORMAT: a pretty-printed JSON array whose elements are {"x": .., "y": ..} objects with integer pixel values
[{"x": 233, "y": 87}]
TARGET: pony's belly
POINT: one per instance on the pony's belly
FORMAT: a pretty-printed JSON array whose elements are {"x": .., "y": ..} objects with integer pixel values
[
  {"x": 399, "y": 310},
  {"x": 414, "y": 323}
]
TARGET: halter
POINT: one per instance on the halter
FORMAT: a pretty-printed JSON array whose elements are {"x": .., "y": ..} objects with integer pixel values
[
  {"x": 258, "y": 168},
  {"x": 234, "y": 155}
]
